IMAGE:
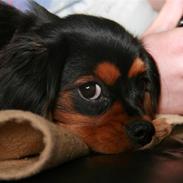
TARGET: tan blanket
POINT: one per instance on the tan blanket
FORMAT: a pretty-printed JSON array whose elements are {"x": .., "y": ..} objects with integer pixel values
[{"x": 30, "y": 144}]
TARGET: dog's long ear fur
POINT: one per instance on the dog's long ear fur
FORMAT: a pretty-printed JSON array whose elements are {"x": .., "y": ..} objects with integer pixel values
[
  {"x": 32, "y": 55},
  {"x": 10, "y": 19},
  {"x": 43, "y": 14},
  {"x": 153, "y": 84}
]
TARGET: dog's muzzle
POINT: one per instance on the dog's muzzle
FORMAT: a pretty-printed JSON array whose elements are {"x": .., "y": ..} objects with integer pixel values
[{"x": 140, "y": 131}]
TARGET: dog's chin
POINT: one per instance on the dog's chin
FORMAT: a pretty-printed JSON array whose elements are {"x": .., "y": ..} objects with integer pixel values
[{"x": 111, "y": 150}]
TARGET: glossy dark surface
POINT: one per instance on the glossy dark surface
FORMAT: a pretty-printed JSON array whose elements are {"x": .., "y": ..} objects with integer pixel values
[{"x": 164, "y": 164}]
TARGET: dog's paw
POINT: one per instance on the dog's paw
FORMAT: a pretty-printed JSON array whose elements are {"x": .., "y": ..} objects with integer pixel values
[
  {"x": 171, "y": 119},
  {"x": 162, "y": 130}
]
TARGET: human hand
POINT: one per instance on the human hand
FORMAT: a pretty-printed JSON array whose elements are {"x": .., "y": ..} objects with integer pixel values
[
  {"x": 165, "y": 43},
  {"x": 168, "y": 17},
  {"x": 157, "y": 4}
]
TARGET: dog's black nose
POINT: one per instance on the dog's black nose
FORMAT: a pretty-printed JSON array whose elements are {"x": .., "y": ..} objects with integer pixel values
[{"x": 141, "y": 132}]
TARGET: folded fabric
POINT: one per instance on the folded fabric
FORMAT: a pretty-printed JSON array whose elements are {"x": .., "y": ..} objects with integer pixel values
[{"x": 30, "y": 143}]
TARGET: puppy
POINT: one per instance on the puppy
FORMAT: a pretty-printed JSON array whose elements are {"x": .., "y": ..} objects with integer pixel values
[{"x": 86, "y": 73}]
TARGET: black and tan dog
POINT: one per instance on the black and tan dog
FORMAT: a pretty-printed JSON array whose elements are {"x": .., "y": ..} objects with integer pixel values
[{"x": 86, "y": 73}]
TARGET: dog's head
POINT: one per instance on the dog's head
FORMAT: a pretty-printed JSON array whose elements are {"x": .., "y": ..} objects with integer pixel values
[{"x": 87, "y": 73}]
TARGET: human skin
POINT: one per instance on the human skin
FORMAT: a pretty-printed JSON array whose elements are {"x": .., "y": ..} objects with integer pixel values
[
  {"x": 157, "y": 4},
  {"x": 164, "y": 41}
]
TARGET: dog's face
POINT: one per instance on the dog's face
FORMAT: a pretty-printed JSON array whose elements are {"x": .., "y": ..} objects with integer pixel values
[{"x": 87, "y": 73}]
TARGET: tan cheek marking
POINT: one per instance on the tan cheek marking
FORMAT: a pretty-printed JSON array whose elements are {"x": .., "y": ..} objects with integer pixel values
[
  {"x": 114, "y": 114},
  {"x": 137, "y": 67},
  {"x": 104, "y": 133},
  {"x": 65, "y": 113},
  {"x": 107, "y": 72},
  {"x": 64, "y": 101}
]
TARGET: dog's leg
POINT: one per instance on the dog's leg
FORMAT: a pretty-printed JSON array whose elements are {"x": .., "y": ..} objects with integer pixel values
[
  {"x": 176, "y": 122},
  {"x": 171, "y": 119},
  {"x": 164, "y": 125}
]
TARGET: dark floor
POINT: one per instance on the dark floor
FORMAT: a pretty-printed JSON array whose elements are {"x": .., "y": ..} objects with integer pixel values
[{"x": 161, "y": 165}]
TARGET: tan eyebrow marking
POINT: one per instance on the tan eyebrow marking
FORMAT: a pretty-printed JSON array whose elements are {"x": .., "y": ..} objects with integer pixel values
[
  {"x": 137, "y": 67},
  {"x": 107, "y": 72}
]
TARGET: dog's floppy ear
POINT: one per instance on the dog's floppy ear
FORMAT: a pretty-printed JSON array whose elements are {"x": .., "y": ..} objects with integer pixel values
[
  {"x": 31, "y": 62},
  {"x": 13, "y": 20},
  {"x": 10, "y": 19},
  {"x": 44, "y": 15},
  {"x": 153, "y": 85}
]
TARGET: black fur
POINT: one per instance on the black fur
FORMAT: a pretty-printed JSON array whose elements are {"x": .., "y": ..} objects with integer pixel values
[{"x": 41, "y": 54}]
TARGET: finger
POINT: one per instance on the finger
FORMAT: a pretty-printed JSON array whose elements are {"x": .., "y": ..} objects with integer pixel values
[
  {"x": 168, "y": 17},
  {"x": 157, "y": 4}
]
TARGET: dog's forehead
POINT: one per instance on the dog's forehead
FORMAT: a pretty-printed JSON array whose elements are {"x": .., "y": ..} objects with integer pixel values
[
  {"x": 106, "y": 51},
  {"x": 109, "y": 73},
  {"x": 106, "y": 70}
]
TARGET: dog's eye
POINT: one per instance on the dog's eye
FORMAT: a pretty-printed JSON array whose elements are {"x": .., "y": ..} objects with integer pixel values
[{"x": 90, "y": 91}]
